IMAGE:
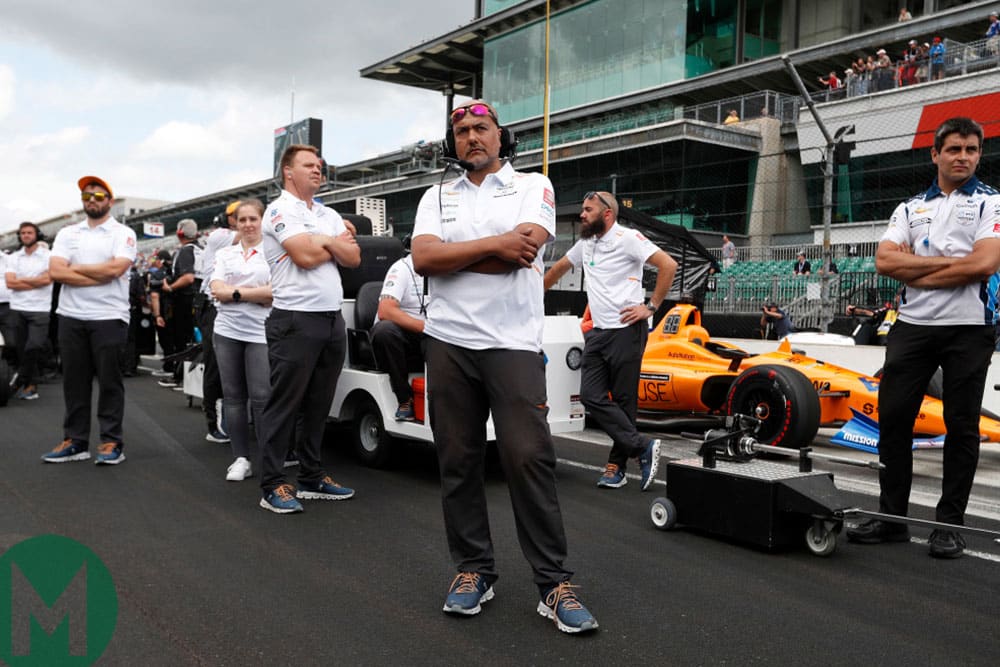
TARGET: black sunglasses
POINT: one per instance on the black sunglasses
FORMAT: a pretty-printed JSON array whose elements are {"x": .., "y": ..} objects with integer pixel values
[{"x": 591, "y": 195}]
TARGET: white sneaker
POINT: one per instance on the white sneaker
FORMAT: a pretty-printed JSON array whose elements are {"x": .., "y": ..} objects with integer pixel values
[{"x": 239, "y": 470}]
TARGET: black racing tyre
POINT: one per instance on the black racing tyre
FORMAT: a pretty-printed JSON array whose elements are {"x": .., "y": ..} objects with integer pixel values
[
  {"x": 372, "y": 443},
  {"x": 4, "y": 382},
  {"x": 783, "y": 399}
]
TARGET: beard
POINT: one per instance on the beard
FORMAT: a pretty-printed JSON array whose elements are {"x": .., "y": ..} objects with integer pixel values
[
  {"x": 95, "y": 214},
  {"x": 591, "y": 229}
]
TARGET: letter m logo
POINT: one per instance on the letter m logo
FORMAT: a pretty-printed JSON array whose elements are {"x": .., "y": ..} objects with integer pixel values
[{"x": 46, "y": 620}]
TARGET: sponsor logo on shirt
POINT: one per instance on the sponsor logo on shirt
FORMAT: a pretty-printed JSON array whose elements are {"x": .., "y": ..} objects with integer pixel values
[
  {"x": 278, "y": 227},
  {"x": 919, "y": 221},
  {"x": 549, "y": 197}
]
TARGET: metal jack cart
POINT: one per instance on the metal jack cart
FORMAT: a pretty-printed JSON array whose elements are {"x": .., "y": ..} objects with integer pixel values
[{"x": 731, "y": 493}]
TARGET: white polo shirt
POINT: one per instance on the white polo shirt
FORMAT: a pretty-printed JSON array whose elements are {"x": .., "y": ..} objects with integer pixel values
[
  {"x": 216, "y": 241},
  {"x": 612, "y": 265},
  {"x": 242, "y": 320},
  {"x": 295, "y": 288},
  {"x": 81, "y": 244},
  {"x": 406, "y": 286},
  {"x": 23, "y": 265},
  {"x": 937, "y": 225},
  {"x": 484, "y": 311}
]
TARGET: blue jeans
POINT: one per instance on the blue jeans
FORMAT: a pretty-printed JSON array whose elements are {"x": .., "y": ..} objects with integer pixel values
[{"x": 245, "y": 375}]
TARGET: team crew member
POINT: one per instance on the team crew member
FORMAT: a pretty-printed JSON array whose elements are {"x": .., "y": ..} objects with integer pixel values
[
  {"x": 612, "y": 258},
  {"x": 180, "y": 285},
  {"x": 944, "y": 245},
  {"x": 479, "y": 238},
  {"x": 211, "y": 385},
  {"x": 397, "y": 336},
  {"x": 91, "y": 259},
  {"x": 6, "y": 317},
  {"x": 304, "y": 242},
  {"x": 241, "y": 284},
  {"x": 28, "y": 278}
]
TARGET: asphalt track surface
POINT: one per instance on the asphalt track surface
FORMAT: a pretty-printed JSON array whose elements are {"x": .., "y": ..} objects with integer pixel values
[{"x": 206, "y": 577}]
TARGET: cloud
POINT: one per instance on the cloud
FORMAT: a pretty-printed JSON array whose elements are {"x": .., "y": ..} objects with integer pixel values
[
  {"x": 176, "y": 100},
  {"x": 177, "y": 139},
  {"x": 6, "y": 90}
]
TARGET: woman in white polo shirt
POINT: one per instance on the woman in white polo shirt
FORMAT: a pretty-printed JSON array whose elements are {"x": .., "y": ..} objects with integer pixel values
[{"x": 241, "y": 283}]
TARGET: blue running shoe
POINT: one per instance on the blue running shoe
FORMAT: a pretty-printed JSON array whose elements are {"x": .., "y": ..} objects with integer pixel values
[
  {"x": 613, "y": 477},
  {"x": 281, "y": 500},
  {"x": 109, "y": 454},
  {"x": 28, "y": 393},
  {"x": 561, "y": 605},
  {"x": 468, "y": 591},
  {"x": 649, "y": 463},
  {"x": 67, "y": 451},
  {"x": 324, "y": 489},
  {"x": 405, "y": 412}
]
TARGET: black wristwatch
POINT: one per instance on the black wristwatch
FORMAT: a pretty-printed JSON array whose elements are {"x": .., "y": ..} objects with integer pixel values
[
  {"x": 651, "y": 307},
  {"x": 236, "y": 295}
]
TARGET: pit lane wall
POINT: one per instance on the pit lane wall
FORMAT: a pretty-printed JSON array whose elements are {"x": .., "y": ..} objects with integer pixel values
[{"x": 864, "y": 359}]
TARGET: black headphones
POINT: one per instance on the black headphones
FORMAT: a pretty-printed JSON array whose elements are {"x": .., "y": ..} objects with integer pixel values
[
  {"x": 508, "y": 144},
  {"x": 39, "y": 236}
]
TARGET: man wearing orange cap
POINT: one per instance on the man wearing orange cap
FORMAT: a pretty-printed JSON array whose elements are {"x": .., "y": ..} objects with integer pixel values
[
  {"x": 91, "y": 259},
  {"x": 211, "y": 385}
]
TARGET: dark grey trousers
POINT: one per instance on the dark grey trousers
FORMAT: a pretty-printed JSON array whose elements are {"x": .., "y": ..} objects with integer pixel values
[
  {"x": 464, "y": 386},
  {"x": 89, "y": 349},
  {"x": 611, "y": 362},
  {"x": 306, "y": 353}
]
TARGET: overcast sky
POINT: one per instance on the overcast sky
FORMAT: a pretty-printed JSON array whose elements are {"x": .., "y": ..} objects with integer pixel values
[{"x": 170, "y": 100}]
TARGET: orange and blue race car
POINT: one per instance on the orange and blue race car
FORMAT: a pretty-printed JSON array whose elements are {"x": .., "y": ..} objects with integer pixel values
[{"x": 688, "y": 378}]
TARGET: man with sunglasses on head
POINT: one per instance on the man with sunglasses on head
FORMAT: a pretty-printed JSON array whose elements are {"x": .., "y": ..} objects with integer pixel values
[
  {"x": 612, "y": 258},
  {"x": 478, "y": 238},
  {"x": 91, "y": 259}
]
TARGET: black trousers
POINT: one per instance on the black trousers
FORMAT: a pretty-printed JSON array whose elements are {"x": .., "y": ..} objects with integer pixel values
[
  {"x": 91, "y": 348},
  {"x": 465, "y": 386},
  {"x": 912, "y": 356},
  {"x": 211, "y": 384},
  {"x": 611, "y": 362},
  {"x": 182, "y": 322},
  {"x": 396, "y": 351},
  {"x": 8, "y": 331},
  {"x": 306, "y": 352},
  {"x": 32, "y": 341}
]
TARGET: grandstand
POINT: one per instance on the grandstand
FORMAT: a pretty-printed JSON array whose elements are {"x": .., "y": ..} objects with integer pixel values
[{"x": 638, "y": 94}]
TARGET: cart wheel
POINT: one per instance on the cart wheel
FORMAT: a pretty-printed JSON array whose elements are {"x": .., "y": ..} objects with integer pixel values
[
  {"x": 820, "y": 540},
  {"x": 371, "y": 442},
  {"x": 663, "y": 514}
]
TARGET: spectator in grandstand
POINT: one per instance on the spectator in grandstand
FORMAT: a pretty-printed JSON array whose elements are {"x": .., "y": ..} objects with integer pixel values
[
  {"x": 27, "y": 276},
  {"x": 832, "y": 83},
  {"x": 398, "y": 334},
  {"x": 802, "y": 266},
  {"x": 884, "y": 71},
  {"x": 850, "y": 82},
  {"x": 936, "y": 53},
  {"x": 911, "y": 57},
  {"x": 241, "y": 285},
  {"x": 833, "y": 268},
  {"x": 728, "y": 252},
  {"x": 993, "y": 35},
  {"x": 774, "y": 320},
  {"x": 733, "y": 117},
  {"x": 947, "y": 320},
  {"x": 904, "y": 15}
]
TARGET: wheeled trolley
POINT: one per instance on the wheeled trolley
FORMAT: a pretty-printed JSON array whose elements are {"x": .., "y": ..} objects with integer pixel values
[{"x": 764, "y": 503}]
